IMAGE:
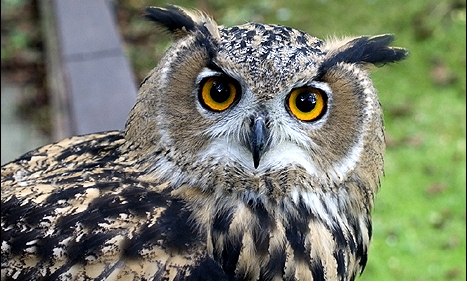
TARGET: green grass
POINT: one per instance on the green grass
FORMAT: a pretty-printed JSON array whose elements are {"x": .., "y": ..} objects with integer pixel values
[{"x": 420, "y": 214}]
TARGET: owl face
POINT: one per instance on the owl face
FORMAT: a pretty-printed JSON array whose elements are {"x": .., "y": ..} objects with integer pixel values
[{"x": 258, "y": 98}]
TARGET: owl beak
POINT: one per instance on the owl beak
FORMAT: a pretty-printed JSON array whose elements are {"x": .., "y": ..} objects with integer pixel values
[{"x": 258, "y": 140}]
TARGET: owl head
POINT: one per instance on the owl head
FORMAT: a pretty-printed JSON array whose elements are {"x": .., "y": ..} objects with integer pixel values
[{"x": 263, "y": 102}]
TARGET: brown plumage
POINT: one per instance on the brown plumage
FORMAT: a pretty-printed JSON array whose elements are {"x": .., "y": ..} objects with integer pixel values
[{"x": 252, "y": 153}]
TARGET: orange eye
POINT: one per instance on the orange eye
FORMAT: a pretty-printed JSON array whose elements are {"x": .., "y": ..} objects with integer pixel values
[
  {"x": 218, "y": 93},
  {"x": 307, "y": 103}
]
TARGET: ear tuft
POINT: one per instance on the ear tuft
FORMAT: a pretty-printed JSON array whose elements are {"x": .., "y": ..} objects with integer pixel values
[
  {"x": 376, "y": 50},
  {"x": 365, "y": 50},
  {"x": 180, "y": 22},
  {"x": 172, "y": 18}
]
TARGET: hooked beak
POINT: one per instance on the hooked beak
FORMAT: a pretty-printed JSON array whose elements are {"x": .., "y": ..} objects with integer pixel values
[{"x": 258, "y": 139}]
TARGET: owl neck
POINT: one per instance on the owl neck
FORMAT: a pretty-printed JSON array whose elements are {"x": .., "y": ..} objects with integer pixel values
[{"x": 282, "y": 223}]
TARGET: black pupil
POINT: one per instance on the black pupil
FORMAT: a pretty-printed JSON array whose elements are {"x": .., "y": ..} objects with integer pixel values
[
  {"x": 220, "y": 91},
  {"x": 306, "y": 101}
]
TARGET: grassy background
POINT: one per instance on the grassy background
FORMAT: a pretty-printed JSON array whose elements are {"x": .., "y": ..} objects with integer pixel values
[{"x": 420, "y": 215}]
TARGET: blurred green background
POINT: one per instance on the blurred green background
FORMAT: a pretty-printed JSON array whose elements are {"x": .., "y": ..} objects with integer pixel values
[{"x": 420, "y": 214}]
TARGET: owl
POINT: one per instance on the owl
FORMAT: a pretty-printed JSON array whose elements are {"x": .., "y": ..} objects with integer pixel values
[{"x": 253, "y": 152}]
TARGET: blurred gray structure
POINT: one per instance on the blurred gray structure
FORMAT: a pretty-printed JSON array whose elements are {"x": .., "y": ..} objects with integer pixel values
[
  {"x": 90, "y": 81},
  {"x": 92, "y": 85}
]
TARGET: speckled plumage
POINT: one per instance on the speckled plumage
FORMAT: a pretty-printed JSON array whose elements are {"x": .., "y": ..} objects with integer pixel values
[{"x": 186, "y": 192}]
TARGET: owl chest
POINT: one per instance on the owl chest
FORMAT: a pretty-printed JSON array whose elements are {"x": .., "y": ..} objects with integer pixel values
[{"x": 253, "y": 240}]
